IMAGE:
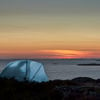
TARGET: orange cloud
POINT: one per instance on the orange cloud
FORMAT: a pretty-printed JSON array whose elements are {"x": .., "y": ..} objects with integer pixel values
[{"x": 67, "y": 53}]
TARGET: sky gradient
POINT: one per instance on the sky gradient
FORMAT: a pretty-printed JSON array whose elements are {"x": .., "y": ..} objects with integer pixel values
[{"x": 49, "y": 28}]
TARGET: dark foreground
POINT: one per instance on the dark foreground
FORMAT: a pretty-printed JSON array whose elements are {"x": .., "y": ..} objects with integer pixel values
[{"x": 76, "y": 89}]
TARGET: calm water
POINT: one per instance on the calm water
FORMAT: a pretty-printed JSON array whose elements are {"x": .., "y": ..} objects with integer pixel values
[{"x": 65, "y": 69}]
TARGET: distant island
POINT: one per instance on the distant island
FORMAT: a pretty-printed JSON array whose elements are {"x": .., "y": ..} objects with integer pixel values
[{"x": 89, "y": 64}]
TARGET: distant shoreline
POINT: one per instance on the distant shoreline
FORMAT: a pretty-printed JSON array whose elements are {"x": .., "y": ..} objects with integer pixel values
[
  {"x": 98, "y": 59},
  {"x": 90, "y": 64}
]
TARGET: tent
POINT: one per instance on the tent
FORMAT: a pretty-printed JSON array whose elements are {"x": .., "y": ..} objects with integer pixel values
[{"x": 23, "y": 70}]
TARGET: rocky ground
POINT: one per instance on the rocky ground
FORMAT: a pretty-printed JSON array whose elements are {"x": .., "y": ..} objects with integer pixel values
[{"x": 82, "y": 88}]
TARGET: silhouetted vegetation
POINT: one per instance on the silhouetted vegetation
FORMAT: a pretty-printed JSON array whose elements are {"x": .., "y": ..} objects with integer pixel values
[{"x": 77, "y": 89}]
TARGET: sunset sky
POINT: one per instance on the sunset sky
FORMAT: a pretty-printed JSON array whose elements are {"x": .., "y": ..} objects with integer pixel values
[{"x": 49, "y": 28}]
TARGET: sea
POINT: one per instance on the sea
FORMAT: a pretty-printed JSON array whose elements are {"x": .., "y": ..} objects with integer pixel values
[{"x": 63, "y": 69}]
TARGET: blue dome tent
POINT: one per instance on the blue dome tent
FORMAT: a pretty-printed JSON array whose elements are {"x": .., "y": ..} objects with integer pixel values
[{"x": 23, "y": 70}]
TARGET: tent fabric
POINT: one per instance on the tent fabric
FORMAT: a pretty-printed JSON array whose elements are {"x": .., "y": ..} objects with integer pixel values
[{"x": 23, "y": 70}]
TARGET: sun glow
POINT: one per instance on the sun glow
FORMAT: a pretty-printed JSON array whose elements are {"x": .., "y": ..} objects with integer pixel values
[
  {"x": 56, "y": 54},
  {"x": 67, "y": 53}
]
